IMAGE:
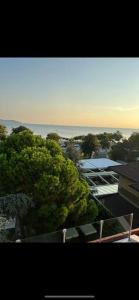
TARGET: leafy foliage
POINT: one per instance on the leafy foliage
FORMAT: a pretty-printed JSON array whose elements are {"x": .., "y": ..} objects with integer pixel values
[
  {"x": 36, "y": 168},
  {"x": 16, "y": 142},
  {"x": 16, "y": 206},
  {"x": 79, "y": 137},
  {"x": 90, "y": 143},
  {"x": 20, "y": 129},
  {"x": 134, "y": 141},
  {"x": 117, "y": 136},
  {"x": 126, "y": 150},
  {"x": 118, "y": 152},
  {"x": 104, "y": 140},
  {"x": 72, "y": 153},
  {"x": 53, "y": 136},
  {"x": 3, "y": 132}
]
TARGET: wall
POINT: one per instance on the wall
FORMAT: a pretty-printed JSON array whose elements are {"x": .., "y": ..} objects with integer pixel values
[{"x": 128, "y": 192}]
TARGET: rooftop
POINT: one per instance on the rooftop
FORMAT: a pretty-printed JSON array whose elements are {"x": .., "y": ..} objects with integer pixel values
[
  {"x": 135, "y": 186},
  {"x": 131, "y": 170},
  {"x": 97, "y": 163},
  {"x": 107, "y": 189},
  {"x": 119, "y": 206},
  {"x": 102, "y": 182}
]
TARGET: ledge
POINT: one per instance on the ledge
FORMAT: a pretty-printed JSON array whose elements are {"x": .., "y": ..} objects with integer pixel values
[{"x": 116, "y": 237}]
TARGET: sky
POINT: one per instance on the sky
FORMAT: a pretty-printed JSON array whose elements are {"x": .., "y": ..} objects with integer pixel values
[{"x": 99, "y": 92}]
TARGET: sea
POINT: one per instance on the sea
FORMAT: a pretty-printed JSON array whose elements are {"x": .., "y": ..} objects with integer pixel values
[{"x": 66, "y": 131}]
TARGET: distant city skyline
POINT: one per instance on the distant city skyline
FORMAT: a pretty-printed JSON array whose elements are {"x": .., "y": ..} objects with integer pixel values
[{"x": 99, "y": 92}]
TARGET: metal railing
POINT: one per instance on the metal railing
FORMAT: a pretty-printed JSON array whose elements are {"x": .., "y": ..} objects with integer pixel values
[{"x": 88, "y": 232}]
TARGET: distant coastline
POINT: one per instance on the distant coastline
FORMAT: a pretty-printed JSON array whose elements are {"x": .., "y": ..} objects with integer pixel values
[
  {"x": 68, "y": 131},
  {"x": 63, "y": 125}
]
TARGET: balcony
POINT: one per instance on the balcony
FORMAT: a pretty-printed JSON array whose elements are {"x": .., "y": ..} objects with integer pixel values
[{"x": 109, "y": 230}]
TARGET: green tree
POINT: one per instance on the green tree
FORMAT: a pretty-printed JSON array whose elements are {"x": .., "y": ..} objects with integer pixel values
[
  {"x": 132, "y": 155},
  {"x": 79, "y": 137},
  {"x": 72, "y": 153},
  {"x": 134, "y": 141},
  {"x": 91, "y": 213},
  {"x": 119, "y": 152},
  {"x": 18, "y": 141},
  {"x": 41, "y": 172},
  {"x": 104, "y": 140},
  {"x": 53, "y": 147},
  {"x": 117, "y": 136},
  {"x": 3, "y": 132},
  {"x": 90, "y": 143},
  {"x": 20, "y": 129},
  {"x": 53, "y": 136},
  {"x": 16, "y": 206}
]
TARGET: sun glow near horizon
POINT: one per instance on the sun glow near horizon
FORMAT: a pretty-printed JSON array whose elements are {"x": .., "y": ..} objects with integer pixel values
[{"x": 98, "y": 92}]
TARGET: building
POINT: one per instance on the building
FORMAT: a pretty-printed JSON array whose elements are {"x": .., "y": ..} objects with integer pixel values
[
  {"x": 118, "y": 206},
  {"x": 101, "y": 179},
  {"x": 128, "y": 182},
  {"x": 97, "y": 164}
]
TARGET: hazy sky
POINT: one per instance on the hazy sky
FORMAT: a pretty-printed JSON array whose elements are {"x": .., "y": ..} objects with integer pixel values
[{"x": 71, "y": 91}]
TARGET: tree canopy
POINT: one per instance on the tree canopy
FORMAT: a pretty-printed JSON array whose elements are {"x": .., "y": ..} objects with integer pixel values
[
  {"x": 53, "y": 136},
  {"x": 3, "y": 132},
  {"x": 72, "y": 153},
  {"x": 127, "y": 150},
  {"x": 90, "y": 143},
  {"x": 79, "y": 137},
  {"x": 37, "y": 168},
  {"x": 20, "y": 129},
  {"x": 118, "y": 152},
  {"x": 17, "y": 142},
  {"x": 134, "y": 141},
  {"x": 117, "y": 136},
  {"x": 104, "y": 140}
]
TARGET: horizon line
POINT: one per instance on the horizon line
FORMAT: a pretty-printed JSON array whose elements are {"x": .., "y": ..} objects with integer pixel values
[{"x": 87, "y": 126}]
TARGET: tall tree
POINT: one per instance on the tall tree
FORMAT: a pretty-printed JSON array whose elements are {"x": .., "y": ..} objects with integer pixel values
[
  {"x": 72, "y": 153},
  {"x": 41, "y": 172},
  {"x": 119, "y": 152},
  {"x": 134, "y": 141},
  {"x": 117, "y": 136},
  {"x": 18, "y": 141},
  {"x": 90, "y": 143},
  {"x": 104, "y": 140}
]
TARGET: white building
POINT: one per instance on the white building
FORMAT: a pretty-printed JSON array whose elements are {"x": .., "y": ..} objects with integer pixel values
[{"x": 97, "y": 163}]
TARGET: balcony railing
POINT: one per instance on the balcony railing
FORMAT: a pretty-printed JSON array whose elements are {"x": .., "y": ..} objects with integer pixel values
[{"x": 92, "y": 232}]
